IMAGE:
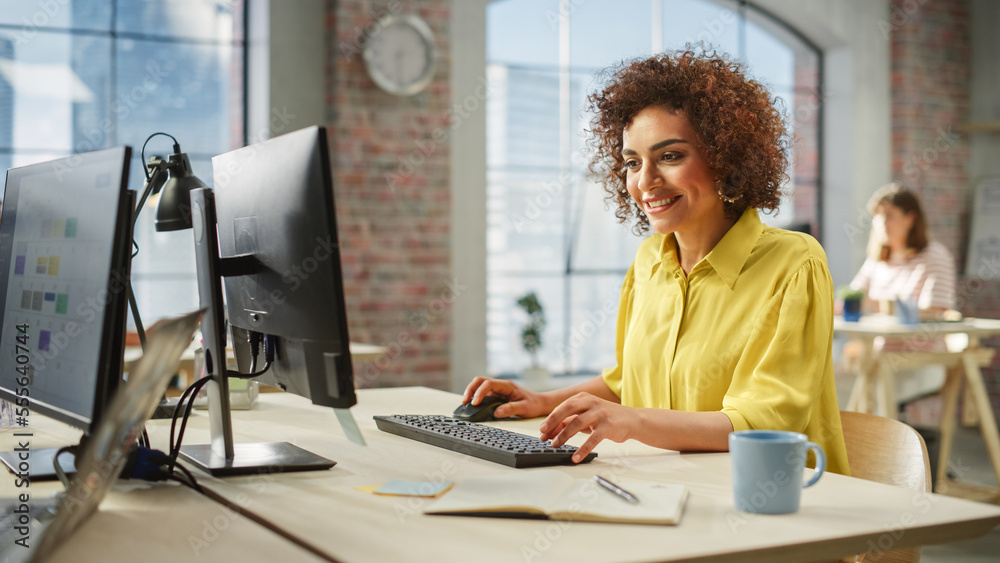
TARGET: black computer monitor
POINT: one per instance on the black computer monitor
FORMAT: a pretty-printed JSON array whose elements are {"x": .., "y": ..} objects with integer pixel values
[
  {"x": 274, "y": 200},
  {"x": 277, "y": 253},
  {"x": 65, "y": 241}
]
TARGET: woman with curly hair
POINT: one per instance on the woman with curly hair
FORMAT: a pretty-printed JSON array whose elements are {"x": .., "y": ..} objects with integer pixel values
[{"x": 723, "y": 323}]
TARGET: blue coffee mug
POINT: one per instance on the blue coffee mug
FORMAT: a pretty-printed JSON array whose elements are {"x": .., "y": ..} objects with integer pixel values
[{"x": 768, "y": 467}]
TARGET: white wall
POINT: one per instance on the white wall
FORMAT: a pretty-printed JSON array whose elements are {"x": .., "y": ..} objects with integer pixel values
[
  {"x": 468, "y": 193},
  {"x": 286, "y": 70}
]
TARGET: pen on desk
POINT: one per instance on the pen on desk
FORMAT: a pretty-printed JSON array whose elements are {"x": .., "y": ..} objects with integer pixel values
[{"x": 616, "y": 489}]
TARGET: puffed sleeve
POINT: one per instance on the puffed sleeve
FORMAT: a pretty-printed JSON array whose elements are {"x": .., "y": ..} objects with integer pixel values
[
  {"x": 779, "y": 379},
  {"x": 613, "y": 375}
]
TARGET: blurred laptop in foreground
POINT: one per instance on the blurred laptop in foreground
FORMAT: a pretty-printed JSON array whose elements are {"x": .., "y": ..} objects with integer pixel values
[{"x": 101, "y": 458}]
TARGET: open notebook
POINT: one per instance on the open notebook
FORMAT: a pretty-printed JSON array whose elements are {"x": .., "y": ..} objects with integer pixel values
[
  {"x": 101, "y": 458},
  {"x": 553, "y": 494}
]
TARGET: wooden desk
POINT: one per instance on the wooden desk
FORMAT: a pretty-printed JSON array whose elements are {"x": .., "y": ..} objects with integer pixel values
[
  {"x": 161, "y": 522},
  {"x": 839, "y": 515},
  {"x": 876, "y": 372}
]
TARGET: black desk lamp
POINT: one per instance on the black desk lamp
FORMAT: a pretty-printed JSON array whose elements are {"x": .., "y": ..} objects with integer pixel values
[
  {"x": 173, "y": 212},
  {"x": 173, "y": 180}
]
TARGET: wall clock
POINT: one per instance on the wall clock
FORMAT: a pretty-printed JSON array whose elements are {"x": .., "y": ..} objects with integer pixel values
[{"x": 399, "y": 56}]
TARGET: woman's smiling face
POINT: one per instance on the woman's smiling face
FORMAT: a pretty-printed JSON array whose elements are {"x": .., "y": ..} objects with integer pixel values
[{"x": 667, "y": 174}]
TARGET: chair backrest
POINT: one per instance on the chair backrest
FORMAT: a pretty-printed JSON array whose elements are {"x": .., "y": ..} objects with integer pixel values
[{"x": 887, "y": 451}]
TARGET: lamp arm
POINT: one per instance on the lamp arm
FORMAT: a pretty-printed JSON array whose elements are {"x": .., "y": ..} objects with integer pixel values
[
  {"x": 155, "y": 181},
  {"x": 158, "y": 167}
]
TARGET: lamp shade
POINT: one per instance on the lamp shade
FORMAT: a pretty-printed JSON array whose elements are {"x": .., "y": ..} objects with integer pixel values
[{"x": 173, "y": 212}]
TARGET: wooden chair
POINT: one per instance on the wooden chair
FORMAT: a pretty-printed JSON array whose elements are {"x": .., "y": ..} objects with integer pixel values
[{"x": 887, "y": 451}]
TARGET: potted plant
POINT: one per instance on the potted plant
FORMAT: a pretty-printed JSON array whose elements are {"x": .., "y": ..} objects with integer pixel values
[
  {"x": 852, "y": 303},
  {"x": 531, "y": 339}
]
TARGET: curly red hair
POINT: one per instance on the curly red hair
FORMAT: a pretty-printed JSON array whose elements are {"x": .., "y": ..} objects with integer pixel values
[{"x": 741, "y": 131}]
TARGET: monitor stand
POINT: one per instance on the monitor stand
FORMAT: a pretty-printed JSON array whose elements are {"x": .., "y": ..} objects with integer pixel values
[
  {"x": 222, "y": 457},
  {"x": 40, "y": 467},
  {"x": 255, "y": 458},
  {"x": 165, "y": 410}
]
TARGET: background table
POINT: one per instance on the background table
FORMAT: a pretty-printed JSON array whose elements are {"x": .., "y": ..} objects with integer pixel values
[
  {"x": 359, "y": 353},
  {"x": 877, "y": 370},
  {"x": 325, "y": 511}
]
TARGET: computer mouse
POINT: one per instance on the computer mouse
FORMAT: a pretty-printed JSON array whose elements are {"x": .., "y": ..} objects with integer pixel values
[{"x": 481, "y": 412}]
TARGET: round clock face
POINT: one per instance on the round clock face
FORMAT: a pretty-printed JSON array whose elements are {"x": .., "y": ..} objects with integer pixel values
[{"x": 400, "y": 56}]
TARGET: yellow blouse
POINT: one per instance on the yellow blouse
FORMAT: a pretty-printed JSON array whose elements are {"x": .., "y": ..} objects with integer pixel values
[{"x": 749, "y": 332}]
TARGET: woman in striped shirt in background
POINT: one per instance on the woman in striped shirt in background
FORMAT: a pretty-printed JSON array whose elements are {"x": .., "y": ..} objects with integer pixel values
[{"x": 905, "y": 266}]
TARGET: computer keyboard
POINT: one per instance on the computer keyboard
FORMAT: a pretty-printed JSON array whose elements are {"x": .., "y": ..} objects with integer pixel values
[{"x": 478, "y": 440}]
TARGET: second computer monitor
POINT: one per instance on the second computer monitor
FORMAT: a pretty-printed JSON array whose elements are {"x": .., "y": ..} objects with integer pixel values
[
  {"x": 65, "y": 239},
  {"x": 274, "y": 201},
  {"x": 64, "y": 251}
]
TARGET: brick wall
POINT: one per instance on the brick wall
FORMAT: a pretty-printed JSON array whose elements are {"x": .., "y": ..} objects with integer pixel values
[
  {"x": 391, "y": 179},
  {"x": 805, "y": 126},
  {"x": 931, "y": 67},
  {"x": 931, "y": 62}
]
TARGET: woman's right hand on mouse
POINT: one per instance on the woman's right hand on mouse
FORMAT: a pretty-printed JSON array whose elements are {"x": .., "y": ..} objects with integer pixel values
[{"x": 522, "y": 402}]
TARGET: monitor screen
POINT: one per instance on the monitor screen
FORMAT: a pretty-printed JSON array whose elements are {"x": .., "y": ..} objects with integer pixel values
[
  {"x": 274, "y": 200},
  {"x": 65, "y": 235}
]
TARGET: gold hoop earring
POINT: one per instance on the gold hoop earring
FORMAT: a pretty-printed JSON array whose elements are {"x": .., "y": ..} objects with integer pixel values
[{"x": 720, "y": 189}]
